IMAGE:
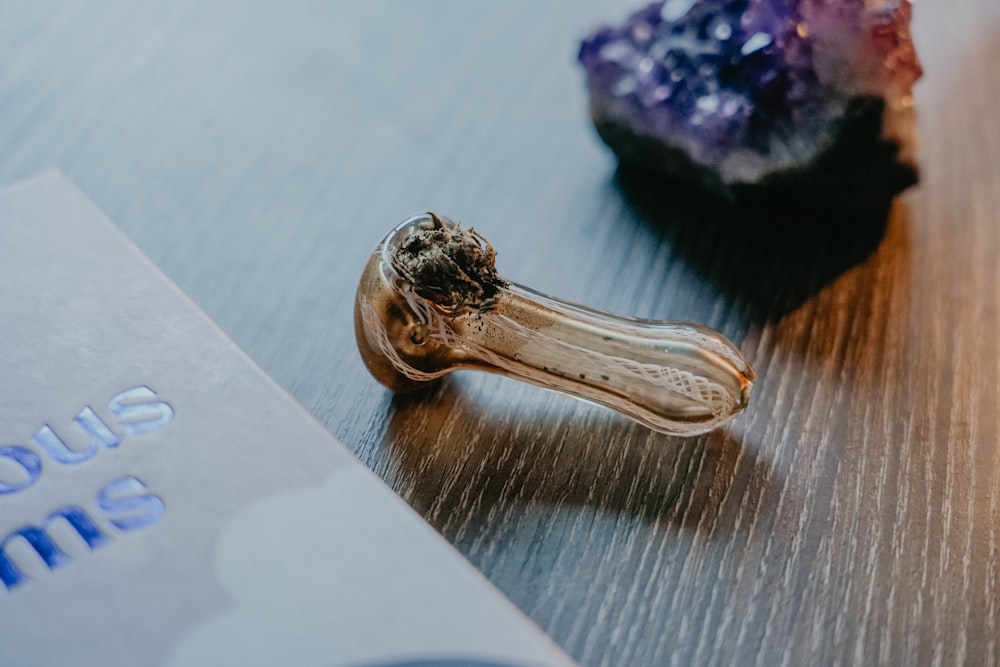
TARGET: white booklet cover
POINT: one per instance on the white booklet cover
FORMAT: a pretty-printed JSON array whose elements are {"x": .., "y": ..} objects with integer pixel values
[{"x": 164, "y": 502}]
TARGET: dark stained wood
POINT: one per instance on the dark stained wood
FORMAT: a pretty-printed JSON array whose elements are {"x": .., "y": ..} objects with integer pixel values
[{"x": 257, "y": 151}]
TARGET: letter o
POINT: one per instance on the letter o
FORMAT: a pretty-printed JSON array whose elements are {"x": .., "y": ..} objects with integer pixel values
[{"x": 28, "y": 460}]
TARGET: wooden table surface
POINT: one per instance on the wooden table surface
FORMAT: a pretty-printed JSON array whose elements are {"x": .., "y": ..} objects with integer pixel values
[{"x": 257, "y": 151}]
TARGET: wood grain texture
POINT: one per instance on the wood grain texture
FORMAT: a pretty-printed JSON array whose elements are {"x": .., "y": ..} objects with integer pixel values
[{"x": 257, "y": 151}]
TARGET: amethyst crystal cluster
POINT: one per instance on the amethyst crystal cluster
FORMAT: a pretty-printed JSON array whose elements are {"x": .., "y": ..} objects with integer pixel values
[{"x": 736, "y": 93}]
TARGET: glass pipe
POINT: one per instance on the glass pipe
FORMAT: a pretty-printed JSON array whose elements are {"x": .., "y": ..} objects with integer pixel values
[{"x": 430, "y": 302}]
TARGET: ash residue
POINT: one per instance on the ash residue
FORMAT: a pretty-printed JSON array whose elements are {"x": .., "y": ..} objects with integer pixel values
[{"x": 450, "y": 266}]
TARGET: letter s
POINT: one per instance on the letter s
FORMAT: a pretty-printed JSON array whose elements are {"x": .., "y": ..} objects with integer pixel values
[
  {"x": 128, "y": 506},
  {"x": 136, "y": 414}
]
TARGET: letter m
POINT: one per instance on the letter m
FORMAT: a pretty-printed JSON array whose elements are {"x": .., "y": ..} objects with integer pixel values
[{"x": 38, "y": 538}]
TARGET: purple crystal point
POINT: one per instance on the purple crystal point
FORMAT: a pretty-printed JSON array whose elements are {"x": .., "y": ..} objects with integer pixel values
[{"x": 738, "y": 92}]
